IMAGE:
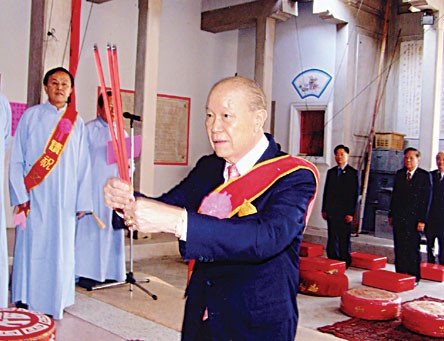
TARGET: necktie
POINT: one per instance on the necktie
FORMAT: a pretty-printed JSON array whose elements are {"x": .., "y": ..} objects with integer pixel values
[
  {"x": 409, "y": 176},
  {"x": 233, "y": 172},
  {"x": 339, "y": 171}
]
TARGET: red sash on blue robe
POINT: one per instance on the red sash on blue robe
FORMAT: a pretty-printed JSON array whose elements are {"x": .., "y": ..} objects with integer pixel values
[{"x": 53, "y": 150}]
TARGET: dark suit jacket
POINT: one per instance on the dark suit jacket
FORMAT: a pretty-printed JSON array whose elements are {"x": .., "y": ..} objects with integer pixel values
[
  {"x": 436, "y": 216},
  {"x": 340, "y": 193},
  {"x": 411, "y": 201},
  {"x": 247, "y": 268}
]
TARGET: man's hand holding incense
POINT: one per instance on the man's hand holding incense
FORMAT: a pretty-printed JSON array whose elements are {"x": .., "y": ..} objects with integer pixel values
[
  {"x": 145, "y": 215},
  {"x": 151, "y": 216},
  {"x": 117, "y": 194}
]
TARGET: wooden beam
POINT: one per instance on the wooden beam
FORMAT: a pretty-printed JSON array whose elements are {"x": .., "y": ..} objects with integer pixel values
[
  {"x": 240, "y": 16},
  {"x": 35, "y": 64},
  {"x": 98, "y": 1},
  {"x": 145, "y": 99},
  {"x": 263, "y": 68}
]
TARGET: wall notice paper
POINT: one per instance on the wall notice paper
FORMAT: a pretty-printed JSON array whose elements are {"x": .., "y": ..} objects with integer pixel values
[
  {"x": 172, "y": 127},
  {"x": 111, "y": 156},
  {"x": 17, "y": 110},
  {"x": 409, "y": 90}
]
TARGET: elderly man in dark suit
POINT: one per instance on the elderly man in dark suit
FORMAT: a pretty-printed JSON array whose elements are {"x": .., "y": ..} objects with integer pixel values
[
  {"x": 339, "y": 204},
  {"x": 409, "y": 208},
  {"x": 243, "y": 232},
  {"x": 434, "y": 229}
]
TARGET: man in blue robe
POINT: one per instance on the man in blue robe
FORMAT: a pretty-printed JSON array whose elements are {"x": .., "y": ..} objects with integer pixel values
[
  {"x": 43, "y": 269},
  {"x": 100, "y": 253},
  {"x": 5, "y": 130}
]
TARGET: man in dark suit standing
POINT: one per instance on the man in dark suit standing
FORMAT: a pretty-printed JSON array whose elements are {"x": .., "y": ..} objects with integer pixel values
[
  {"x": 240, "y": 214},
  {"x": 434, "y": 229},
  {"x": 409, "y": 208},
  {"x": 339, "y": 204}
]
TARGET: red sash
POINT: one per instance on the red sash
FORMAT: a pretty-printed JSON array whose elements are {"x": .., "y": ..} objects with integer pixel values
[
  {"x": 53, "y": 150},
  {"x": 235, "y": 196}
]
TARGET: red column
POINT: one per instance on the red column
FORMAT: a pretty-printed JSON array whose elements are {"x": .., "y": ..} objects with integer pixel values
[{"x": 76, "y": 6}]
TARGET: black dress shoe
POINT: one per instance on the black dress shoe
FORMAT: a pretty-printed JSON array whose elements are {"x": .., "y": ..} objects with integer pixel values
[
  {"x": 20, "y": 304},
  {"x": 135, "y": 234},
  {"x": 87, "y": 283}
]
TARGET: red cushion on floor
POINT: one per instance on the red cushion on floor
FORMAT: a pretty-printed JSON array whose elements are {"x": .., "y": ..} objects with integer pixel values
[
  {"x": 320, "y": 283},
  {"x": 368, "y": 261},
  {"x": 21, "y": 324},
  {"x": 388, "y": 280},
  {"x": 311, "y": 250},
  {"x": 424, "y": 317},
  {"x": 370, "y": 304},
  {"x": 322, "y": 264},
  {"x": 432, "y": 272}
]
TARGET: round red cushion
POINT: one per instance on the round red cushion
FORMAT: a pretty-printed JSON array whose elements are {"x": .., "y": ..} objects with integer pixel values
[
  {"x": 21, "y": 324},
  {"x": 424, "y": 317},
  {"x": 370, "y": 304}
]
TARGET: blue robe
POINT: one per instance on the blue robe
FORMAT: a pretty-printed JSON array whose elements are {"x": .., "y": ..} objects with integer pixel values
[
  {"x": 100, "y": 253},
  {"x": 43, "y": 269},
  {"x": 5, "y": 130}
]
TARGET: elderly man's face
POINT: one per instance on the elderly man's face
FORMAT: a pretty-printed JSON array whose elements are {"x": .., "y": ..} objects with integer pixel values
[
  {"x": 232, "y": 128},
  {"x": 411, "y": 161}
]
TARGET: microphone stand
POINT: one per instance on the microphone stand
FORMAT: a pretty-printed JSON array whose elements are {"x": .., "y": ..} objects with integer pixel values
[{"x": 130, "y": 275}]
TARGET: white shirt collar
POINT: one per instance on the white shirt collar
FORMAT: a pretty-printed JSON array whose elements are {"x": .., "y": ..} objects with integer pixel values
[
  {"x": 59, "y": 111},
  {"x": 412, "y": 172},
  {"x": 249, "y": 160}
]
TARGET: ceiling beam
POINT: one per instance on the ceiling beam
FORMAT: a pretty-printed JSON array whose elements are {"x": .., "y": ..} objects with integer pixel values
[
  {"x": 241, "y": 16},
  {"x": 98, "y": 1}
]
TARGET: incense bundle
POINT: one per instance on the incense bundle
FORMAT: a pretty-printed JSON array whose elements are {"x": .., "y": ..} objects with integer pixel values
[{"x": 118, "y": 139}]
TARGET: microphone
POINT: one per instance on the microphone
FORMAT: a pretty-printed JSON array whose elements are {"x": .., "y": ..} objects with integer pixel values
[{"x": 132, "y": 117}]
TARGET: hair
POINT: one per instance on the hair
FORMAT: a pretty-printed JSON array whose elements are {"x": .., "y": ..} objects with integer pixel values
[
  {"x": 100, "y": 99},
  {"x": 441, "y": 152},
  {"x": 256, "y": 95},
  {"x": 411, "y": 149},
  {"x": 58, "y": 69},
  {"x": 341, "y": 146}
]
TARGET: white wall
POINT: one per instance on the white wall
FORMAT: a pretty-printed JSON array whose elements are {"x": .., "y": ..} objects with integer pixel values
[
  {"x": 14, "y": 42},
  {"x": 106, "y": 25},
  {"x": 301, "y": 43},
  {"x": 190, "y": 62}
]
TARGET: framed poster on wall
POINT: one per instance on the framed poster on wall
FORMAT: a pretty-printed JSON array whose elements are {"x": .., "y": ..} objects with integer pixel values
[{"x": 172, "y": 130}]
